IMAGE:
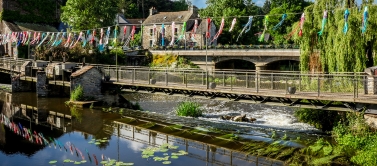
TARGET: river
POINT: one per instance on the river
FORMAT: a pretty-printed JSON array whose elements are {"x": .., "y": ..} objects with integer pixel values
[{"x": 91, "y": 136}]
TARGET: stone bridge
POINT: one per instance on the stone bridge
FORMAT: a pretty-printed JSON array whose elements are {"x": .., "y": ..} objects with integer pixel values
[{"x": 261, "y": 58}]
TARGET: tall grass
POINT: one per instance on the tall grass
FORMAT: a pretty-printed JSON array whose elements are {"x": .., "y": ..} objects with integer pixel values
[
  {"x": 77, "y": 94},
  {"x": 189, "y": 109}
]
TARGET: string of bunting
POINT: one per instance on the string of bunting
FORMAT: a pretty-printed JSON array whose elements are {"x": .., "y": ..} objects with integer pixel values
[{"x": 88, "y": 37}]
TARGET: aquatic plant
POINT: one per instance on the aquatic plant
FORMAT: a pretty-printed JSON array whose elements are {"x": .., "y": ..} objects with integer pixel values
[
  {"x": 189, "y": 109},
  {"x": 91, "y": 106},
  {"x": 77, "y": 94}
]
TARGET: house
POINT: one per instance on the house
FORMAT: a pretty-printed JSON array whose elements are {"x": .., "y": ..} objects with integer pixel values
[
  {"x": 17, "y": 17},
  {"x": 128, "y": 23},
  {"x": 90, "y": 79},
  {"x": 153, "y": 37}
]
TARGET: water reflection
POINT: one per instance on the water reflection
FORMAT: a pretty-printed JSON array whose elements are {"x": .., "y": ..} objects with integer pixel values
[{"x": 79, "y": 126}]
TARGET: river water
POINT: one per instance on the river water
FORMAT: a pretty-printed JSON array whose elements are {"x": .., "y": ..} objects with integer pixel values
[{"x": 92, "y": 136}]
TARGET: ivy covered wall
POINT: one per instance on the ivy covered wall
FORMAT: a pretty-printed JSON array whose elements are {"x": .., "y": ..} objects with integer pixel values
[
  {"x": 31, "y": 11},
  {"x": 335, "y": 50}
]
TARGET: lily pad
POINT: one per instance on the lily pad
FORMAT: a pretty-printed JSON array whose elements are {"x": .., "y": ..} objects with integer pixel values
[
  {"x": 128, "y": 164},
  {"x": 67, "y": 160},
  {"x": 104, "y": 138},
  {"x": 103, "y": 141},
  {"x": 97, "y": 143},
  {"x": 53, "y": 162},
  {"x": 83, "y": 161},
  {"x": 103, "y": 162},
  {"x": 164, "y": 150},
  {"x": 174, "y": 157},
  {"x": 165, "y": 154},
  {"x": 77, "y": 163},
  {"x": 166, "y": 162},
  {"x": 144, "y": 156},
  {"x": 91, "y": 142},
  {"x": 173, "y": 147}
]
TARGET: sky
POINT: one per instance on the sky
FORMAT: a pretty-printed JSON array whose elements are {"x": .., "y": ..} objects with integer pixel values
[{"x": 202, "y": 3}]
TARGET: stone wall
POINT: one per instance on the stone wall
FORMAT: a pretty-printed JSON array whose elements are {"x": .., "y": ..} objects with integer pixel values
[
  {"x": 19, "y": 85},
  {"x": 42, "y": 84},
  {"x": 90, "y": 80}
]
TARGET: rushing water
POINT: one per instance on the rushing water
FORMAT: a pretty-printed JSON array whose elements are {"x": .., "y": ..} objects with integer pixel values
[
  {"x": 269, "y": 118},
  {"x": 71, "y": 133}
]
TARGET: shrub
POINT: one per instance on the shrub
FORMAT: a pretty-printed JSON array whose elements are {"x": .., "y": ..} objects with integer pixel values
[
  {"x": 189, "y": 109},
  {"x": 77, "y": 94}
]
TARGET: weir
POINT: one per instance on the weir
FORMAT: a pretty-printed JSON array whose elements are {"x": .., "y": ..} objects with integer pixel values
[{"x": 337, "y": 91}]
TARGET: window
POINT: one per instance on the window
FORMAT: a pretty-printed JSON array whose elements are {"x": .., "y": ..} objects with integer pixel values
[
  {"x": 150, "y": 43},
  {"x": 175, "y": 30},
  {"x": 151, "y": 32}
]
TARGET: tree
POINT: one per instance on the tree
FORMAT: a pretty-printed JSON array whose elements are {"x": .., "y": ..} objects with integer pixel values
[
  {"x": 217, "y": 9},
  {"x": 293, "y": 9},
  {"x": 335, "y": 50},
  {"x": 266, "y": 7},
  {"x": 89, "y": 14}
]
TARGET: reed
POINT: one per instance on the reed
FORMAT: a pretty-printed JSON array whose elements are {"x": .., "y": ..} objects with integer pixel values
[
  {"x": 77, "y": 94},
  {"x": 189, "y": 109}
]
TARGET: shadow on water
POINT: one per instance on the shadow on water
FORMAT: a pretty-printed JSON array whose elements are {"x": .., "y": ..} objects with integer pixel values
[{"x": 80, "y": 127}]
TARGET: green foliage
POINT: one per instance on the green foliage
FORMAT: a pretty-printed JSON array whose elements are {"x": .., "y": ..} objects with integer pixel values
[
  {"x": 77, "y": 94},
  {"x": 189, "y": 109},
  {"x": 335, "y": 51},
  {"x": 321, "y": 119},
  {"x": 89, "y": 14},
  {"x": 137, "y": 40},
  {"x": 34, "y": 11}
]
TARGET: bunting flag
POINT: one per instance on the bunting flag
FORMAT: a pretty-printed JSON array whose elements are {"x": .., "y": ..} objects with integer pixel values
[
  {"x": 115, "y": 35},
  {"x": 68, "y": 40},
  {"x": 195, "y": 28},
  {"x": 72, "y": 41},
  {"x": 51, "y": 39},
  {"x": 172, "y": 33},
  {"x": 56, "y": 39},
  {"x": 107, "y": 36},
  {"x": 162, "y": 35},
  {"x": 233, "y": 24},
  {"x": 346, "y": 14},
  {"x": 220, "y": 30},
  {"x": 281, "y": 22},
  {"x": 36, "y": 38},
  {"x": 93, "y": 37},
  {"x": 85, "y": 38},
  {"x": 133, "y": 32},
  {"x": 61, "y": 39},
  {"x": 77, "y": 40},
  {"x": 182, "y": 34},
  {"x": 365, "y": 20},
  {"x": 208, "y": 33},
  {"x": 246, "y": 28},
  {"x": 302, "y": 20},
  {"x": 261, "y": 38},
  {"x": 48, "y": 33},
  {"x": 101, "y": 37},
  {"x": 324, "y": 21},
  {"x": 124, "y": 33}
]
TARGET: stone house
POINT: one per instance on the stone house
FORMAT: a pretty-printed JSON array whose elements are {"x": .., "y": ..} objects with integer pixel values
[
  {"x": 166, "y": 18},
  {"x": 16, "y": 17},
  {"x": 90, "y": 79}
]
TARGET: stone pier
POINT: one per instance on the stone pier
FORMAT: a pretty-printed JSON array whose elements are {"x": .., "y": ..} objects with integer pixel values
[{"x": 42, "y": 84}]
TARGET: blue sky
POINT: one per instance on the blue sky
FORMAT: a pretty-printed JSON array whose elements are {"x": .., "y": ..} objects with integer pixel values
[{"x": 202, "y": 3}]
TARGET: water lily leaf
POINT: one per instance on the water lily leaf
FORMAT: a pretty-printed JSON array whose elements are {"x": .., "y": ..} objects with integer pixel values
[
  {"x": 103, "y": 162},
  {"x": 83, "y": 161},
  {"x": 103, "y": 141},
  {"x": 174, "y": 157},
  {"x": 67, "y": 160},
  {"x": 104, "y": 138},
  {"x": 53, "y": 162},
  {"x": 128, "y": 163},
  {"x": 97, "y": 143},
  {"x": 164, "y": 150},
  {"x": 165, "y": 154},
  {"x": 144, "y": 156},
  {"x": 183, "y": 152},
  {"x": 91, "y": 142},
  {"x": 166, "y": 162},
  {"x": 77, "y": 163},
  {"x": 173, "y": 147}
]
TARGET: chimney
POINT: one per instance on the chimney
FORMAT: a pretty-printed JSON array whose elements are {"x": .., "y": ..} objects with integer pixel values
[
  {"x": 152, "y": 11},
  {"x": 192, "y": 9}
]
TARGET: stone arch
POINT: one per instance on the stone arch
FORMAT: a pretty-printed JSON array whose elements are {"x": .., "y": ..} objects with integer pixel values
[
  {"x": 284, "y": 65},
  {"x": 234, "y": 63}
]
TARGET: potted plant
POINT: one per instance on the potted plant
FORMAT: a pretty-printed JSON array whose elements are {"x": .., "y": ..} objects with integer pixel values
[
  {"x": 212, "y": 85},
  {"x": 152, "y": 79},
  {"x": 219, "y": 46},
  {"x": 291, "y": 90},
  {"x": 226, "y": 46}
]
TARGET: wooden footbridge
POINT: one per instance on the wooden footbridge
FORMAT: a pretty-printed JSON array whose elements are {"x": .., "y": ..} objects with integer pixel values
[{"x": 337, "y": 91}]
